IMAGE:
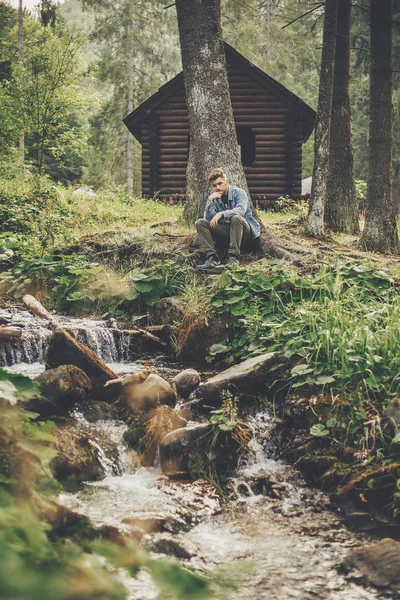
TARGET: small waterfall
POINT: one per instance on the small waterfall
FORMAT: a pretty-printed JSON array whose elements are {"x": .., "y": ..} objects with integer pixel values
[{"x": 111, "y": 344}]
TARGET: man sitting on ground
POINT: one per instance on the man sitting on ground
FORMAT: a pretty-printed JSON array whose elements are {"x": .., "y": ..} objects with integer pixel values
[{"x": 228, "y": 221}]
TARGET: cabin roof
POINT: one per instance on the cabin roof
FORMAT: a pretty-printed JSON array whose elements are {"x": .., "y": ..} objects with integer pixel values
[{"x": 134, "y": 119}]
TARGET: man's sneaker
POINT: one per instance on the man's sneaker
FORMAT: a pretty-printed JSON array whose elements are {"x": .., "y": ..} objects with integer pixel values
[
  {"x": 210, "y": 262},
  {"x": 232, "y": 260}
]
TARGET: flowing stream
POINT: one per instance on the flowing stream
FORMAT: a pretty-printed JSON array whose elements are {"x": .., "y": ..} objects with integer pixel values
[{"x": 271, "y": 537}]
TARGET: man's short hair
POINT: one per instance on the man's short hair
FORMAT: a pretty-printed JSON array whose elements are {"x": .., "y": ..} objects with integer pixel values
[{"x": 215, "y": 173}]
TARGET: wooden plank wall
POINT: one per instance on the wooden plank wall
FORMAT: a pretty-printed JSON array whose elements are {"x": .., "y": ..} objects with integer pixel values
[
  {"x": 173, "y": 145},
  {"x": 278, "y": 133}
]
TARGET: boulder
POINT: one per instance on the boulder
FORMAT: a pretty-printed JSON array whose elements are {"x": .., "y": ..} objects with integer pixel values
[
  {"x": 147, "y": 431},
  {"x": 199, "y": 332},
  {"x": 64, "y": 386},
  {"x": 378, "y": 564},
  {"x": 45, "y": 408},
  {"x": 166, "y": 543},
  {"x": 77, "y": 459},
  {"x": 63, "y": 349},
  {"x": 200, "y": 451},
  {"x": 144, "y": 395},
  {"x": 96, "y": 410},
  {"x": 186, "y": 382},
  {"x": 168, "y": 310},
  {"x": 247, "y": 378},
  {"x": 176, "y": 447}
]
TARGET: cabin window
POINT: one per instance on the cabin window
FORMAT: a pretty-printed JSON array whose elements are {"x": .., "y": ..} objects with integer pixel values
[{"x": 247, "y": 145}]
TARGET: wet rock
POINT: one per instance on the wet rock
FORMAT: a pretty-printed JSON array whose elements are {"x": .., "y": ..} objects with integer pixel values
[
  {"x": 66, "y": 522},
  {"x": 63, "y": 349},
  {"x": 96, "y": 411},
  {"x": 45, "y": 408},
  {"x": 200, "y": 451},
  {"x": 147, "y": 431},
  {"x": 147, "y": 524},
  {"x": 246, "y": 378},
  {"x": 169, "y": 310},
  {"x": 112, "y": 534},
  {"x": 186, "y": 382},
  {"x": 142, "y": 392},
  {"x": 378, "y": 564},
  {"x": 166, "y": 544},
  {"x": 134, "y": 436},
  {"x": 199, "y": 332},
  {"x": 176, "y": 447},
  {"x": 77, "y": 459},
  {"x": 64, "y": 386},
  {"x": 185, "y": 413}
]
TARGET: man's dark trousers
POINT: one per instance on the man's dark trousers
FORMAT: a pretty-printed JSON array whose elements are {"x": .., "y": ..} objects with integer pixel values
[{"x": 234, "y": 234}]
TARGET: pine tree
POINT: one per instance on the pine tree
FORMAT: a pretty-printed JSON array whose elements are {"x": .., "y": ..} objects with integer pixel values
[
  {"x": 380, "y": 233},
  {"x": 315, "y": 220},
  {"x": 341, "y": 212}
]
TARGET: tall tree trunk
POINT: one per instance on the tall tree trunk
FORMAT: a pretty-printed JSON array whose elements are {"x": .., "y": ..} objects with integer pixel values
[
  {"x": 213, "y": 141},
  {"x": 268, "y": 45},
  {"x": 341, "y": 212},
  {"x": 212, "y": 130},
  {"x": 21, "y": 60},
  {"x": 315, "y": 219},
  {"x": 380, "y": 234},
  {"x": 129, "y": 138}
]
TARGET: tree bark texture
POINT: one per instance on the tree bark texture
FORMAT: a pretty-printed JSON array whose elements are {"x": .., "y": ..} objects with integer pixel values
[
  {"x": 315, "y": 219},
  {"x": 213, "y": 141},
  {"x": 129, "y": 137},
  {"x": 21, "y": 60},
  {"x": 341, "y": 211},
  {"x": 380, "y": 233}
]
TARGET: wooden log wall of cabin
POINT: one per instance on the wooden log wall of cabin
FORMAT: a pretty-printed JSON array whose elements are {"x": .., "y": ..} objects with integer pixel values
[
  {"x": 146, "y": 160},
  {"x": 267, "y": 116},
  {"x": 297, "y": 156},
  {"x": 154, "y": 157},
  {"x": 290, "y": 154},
  {"x": 173, "y": 135}
]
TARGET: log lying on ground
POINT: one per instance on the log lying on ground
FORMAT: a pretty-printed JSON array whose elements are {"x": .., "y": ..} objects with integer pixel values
[{"x": 10, "y": 332}]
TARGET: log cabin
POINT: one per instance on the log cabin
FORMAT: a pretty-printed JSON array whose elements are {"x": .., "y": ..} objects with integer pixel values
[{"x": 271, "y": 122}]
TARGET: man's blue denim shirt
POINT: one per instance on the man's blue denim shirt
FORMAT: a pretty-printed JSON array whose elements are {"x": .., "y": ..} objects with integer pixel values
[{"x": 238, "y": 204}]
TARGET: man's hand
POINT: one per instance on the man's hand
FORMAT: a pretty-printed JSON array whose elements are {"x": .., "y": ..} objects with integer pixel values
[
  {"x": 214, "y": 220},
  {"x": 215, "y": 196}
]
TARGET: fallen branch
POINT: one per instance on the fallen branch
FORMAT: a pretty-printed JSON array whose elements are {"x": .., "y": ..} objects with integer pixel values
[
  {"x": 39, "y": 310},
  {"x": 143, "y": 333},
  {"x": 10, "y": 332},
  {"x": 170, "y": 235}
]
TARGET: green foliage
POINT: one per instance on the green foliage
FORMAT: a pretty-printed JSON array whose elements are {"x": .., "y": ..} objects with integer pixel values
[
  {"x": 157, "y": 282},
  {"x": 32, "y": 208},
  {"x": 226, "y": 418},
  {"x": 77, "y": 286},
  {"x": 40, "y": 97},
  {"x": 361, "y": 194},
  {"x": 340, "y": 325}
]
